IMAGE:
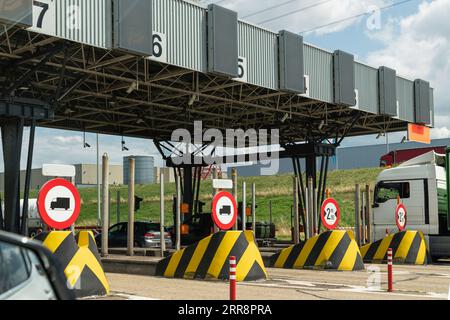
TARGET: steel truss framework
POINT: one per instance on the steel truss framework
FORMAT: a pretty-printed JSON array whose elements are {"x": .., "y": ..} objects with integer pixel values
[{"x": 111, "y": 92}]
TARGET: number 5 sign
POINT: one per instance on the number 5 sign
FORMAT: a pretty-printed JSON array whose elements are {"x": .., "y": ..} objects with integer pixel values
[{"x": 330, "y": 214}]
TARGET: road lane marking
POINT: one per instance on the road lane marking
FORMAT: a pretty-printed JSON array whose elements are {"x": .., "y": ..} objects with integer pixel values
[{"x": 320, "y": 286}]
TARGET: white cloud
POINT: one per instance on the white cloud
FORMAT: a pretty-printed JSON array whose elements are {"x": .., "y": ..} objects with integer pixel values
[
  {"x": 63, "y": 140},
  {"x": 440, "y": 133},
  {"x": 66, "y": 147},
  {"x": 421, "y": 49},
  {"x": 324, "y": 13}
]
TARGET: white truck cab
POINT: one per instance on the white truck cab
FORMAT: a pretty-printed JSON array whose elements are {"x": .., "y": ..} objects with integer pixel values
[{"x": 421, "y": 185}]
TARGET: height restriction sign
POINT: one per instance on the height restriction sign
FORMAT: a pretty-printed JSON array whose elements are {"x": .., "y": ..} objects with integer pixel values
[
  {"x": 330, "y": 213},
  {"x": 400, "y": 217},
  {"x": 224, "y": 211},
  {"x": 58, "y": 203}
]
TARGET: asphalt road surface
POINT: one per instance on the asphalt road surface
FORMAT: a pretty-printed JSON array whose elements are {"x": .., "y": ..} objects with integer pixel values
[{"x": 410, "y": 283}]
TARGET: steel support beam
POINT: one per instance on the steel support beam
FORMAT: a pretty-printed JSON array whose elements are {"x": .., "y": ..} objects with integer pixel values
[{"x": 12, "y": 132}]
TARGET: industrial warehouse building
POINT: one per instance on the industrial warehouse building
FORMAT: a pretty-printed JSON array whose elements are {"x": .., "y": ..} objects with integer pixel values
[
  {"x": 346, "y": 158},
  {"x": 86, "y": 176}
]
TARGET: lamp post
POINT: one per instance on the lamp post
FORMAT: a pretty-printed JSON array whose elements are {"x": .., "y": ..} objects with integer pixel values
[{"x": 99, "y": 214}]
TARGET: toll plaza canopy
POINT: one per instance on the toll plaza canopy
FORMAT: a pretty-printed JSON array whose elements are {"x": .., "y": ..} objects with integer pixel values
[{"x": 144, "y": 68}]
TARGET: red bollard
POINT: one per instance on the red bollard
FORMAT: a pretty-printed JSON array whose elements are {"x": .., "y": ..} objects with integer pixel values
[
  {"x": 232, "y": 278},
  {"x": 389, "y": 261}
]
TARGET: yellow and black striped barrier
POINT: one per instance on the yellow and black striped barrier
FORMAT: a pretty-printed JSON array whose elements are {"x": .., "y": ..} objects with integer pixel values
[
  {"x": 408, "y": 247},
  {"x": 331, "y": 250},
  {"x": 79, "y": 259},
  {"x": 208, "y": 259}
]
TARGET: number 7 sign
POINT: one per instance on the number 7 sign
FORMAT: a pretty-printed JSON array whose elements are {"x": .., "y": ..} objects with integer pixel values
[
  {"x": 330, "y": 214},
  {"x": 44, "y": 17}
]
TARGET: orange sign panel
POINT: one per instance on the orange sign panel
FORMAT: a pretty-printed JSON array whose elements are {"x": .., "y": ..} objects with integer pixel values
[{"x": 419, "y": 133}]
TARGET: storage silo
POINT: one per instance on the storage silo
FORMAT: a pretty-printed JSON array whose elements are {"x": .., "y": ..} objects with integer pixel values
[{"x": 144, "y": 167}]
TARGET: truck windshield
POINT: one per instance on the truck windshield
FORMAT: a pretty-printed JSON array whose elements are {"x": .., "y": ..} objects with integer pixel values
[{"x": 385, "y": 191}]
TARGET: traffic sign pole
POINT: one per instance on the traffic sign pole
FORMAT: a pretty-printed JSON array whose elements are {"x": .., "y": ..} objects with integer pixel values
[
  {"x": 244, "y": 205},
  {"x": 130, "y": 229},
  {"x": 105, "y": 204},
  {"x": 390, "y": 277},
  {"x": 232, "y": 278}
]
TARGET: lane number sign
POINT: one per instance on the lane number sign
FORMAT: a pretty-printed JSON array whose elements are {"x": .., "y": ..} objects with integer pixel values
[
  {"x": 330, "y": 214},
  {"x": 159, "y": 43},
  {"x": 224, "y": 210},
  {"x": 44, "y": 16},
  {"x": 400, "y": 217},
  {"x": 242, "y": 70},
  {"x": 58, "y": 204}
]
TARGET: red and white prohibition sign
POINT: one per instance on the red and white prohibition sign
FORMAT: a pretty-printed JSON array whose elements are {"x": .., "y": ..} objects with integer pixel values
[
  {"x": 224, "y": 210},
  {"x": 401, "y": 217},
  {"x": 58, "y": 204},
  {"x": 330, "y": 214}
]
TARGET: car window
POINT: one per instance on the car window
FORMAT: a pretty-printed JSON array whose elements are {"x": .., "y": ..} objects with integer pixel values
[
  {"x": 114, "y": 229},
  {"x": 152, "y": 227},
  {"x": 14, "y": 265},
  {"x": 389, "y": 191},
  {"x": 120, "y": 228}
]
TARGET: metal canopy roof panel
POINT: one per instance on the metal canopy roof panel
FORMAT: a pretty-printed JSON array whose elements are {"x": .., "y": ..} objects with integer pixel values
[
  {"x": 344, "y": 78},
  {"x": 319, "y": 70},
  {"x": 133, "y": 26},
  {"x": 179, "y": 31},
  {"x": 83, "y": 21},
  {"x": 366, "y": 88},
  {"x": 258, "y": 56},
  {"x": 115, "y": 92},
  {"x": 291, "y": 62},
  {"x": 422, "y": 105},
  {"x": 16, "y": 11},
  {"x": 388, "y": 91},
  {"x": 405, "y": 99},
  {"x": 222, "y": 41}
]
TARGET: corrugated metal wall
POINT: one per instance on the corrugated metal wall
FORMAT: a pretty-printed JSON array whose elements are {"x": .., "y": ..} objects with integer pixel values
[
  {"x": 366, "y": 82},
  {"x": 432, "y": 106},
  {"x": 405, "y": 98},
  {"x": 346, "y": 158},
  {"x": 94, "y": 18},
  {"x": 260, "y": 48},
  {"x": 184, "y": 25},
  {"x": 319, "y": 68}
]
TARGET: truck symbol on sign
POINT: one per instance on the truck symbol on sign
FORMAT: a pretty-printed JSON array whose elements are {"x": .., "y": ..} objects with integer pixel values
[
  {"x": 225, "y": 210},
  {"x": 60, "y": 203}
]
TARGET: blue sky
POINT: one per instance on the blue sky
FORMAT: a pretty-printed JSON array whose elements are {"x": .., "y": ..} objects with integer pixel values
[{"x": 405, "y": 25}]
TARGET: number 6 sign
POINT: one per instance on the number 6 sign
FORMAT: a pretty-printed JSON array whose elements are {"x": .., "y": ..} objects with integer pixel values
[{"x": 330, "y": 214}]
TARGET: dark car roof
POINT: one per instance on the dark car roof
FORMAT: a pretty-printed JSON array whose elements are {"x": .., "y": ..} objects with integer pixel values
[
  {"x": 141, "y": 224},
  {"x": 138, "y": 222}
]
